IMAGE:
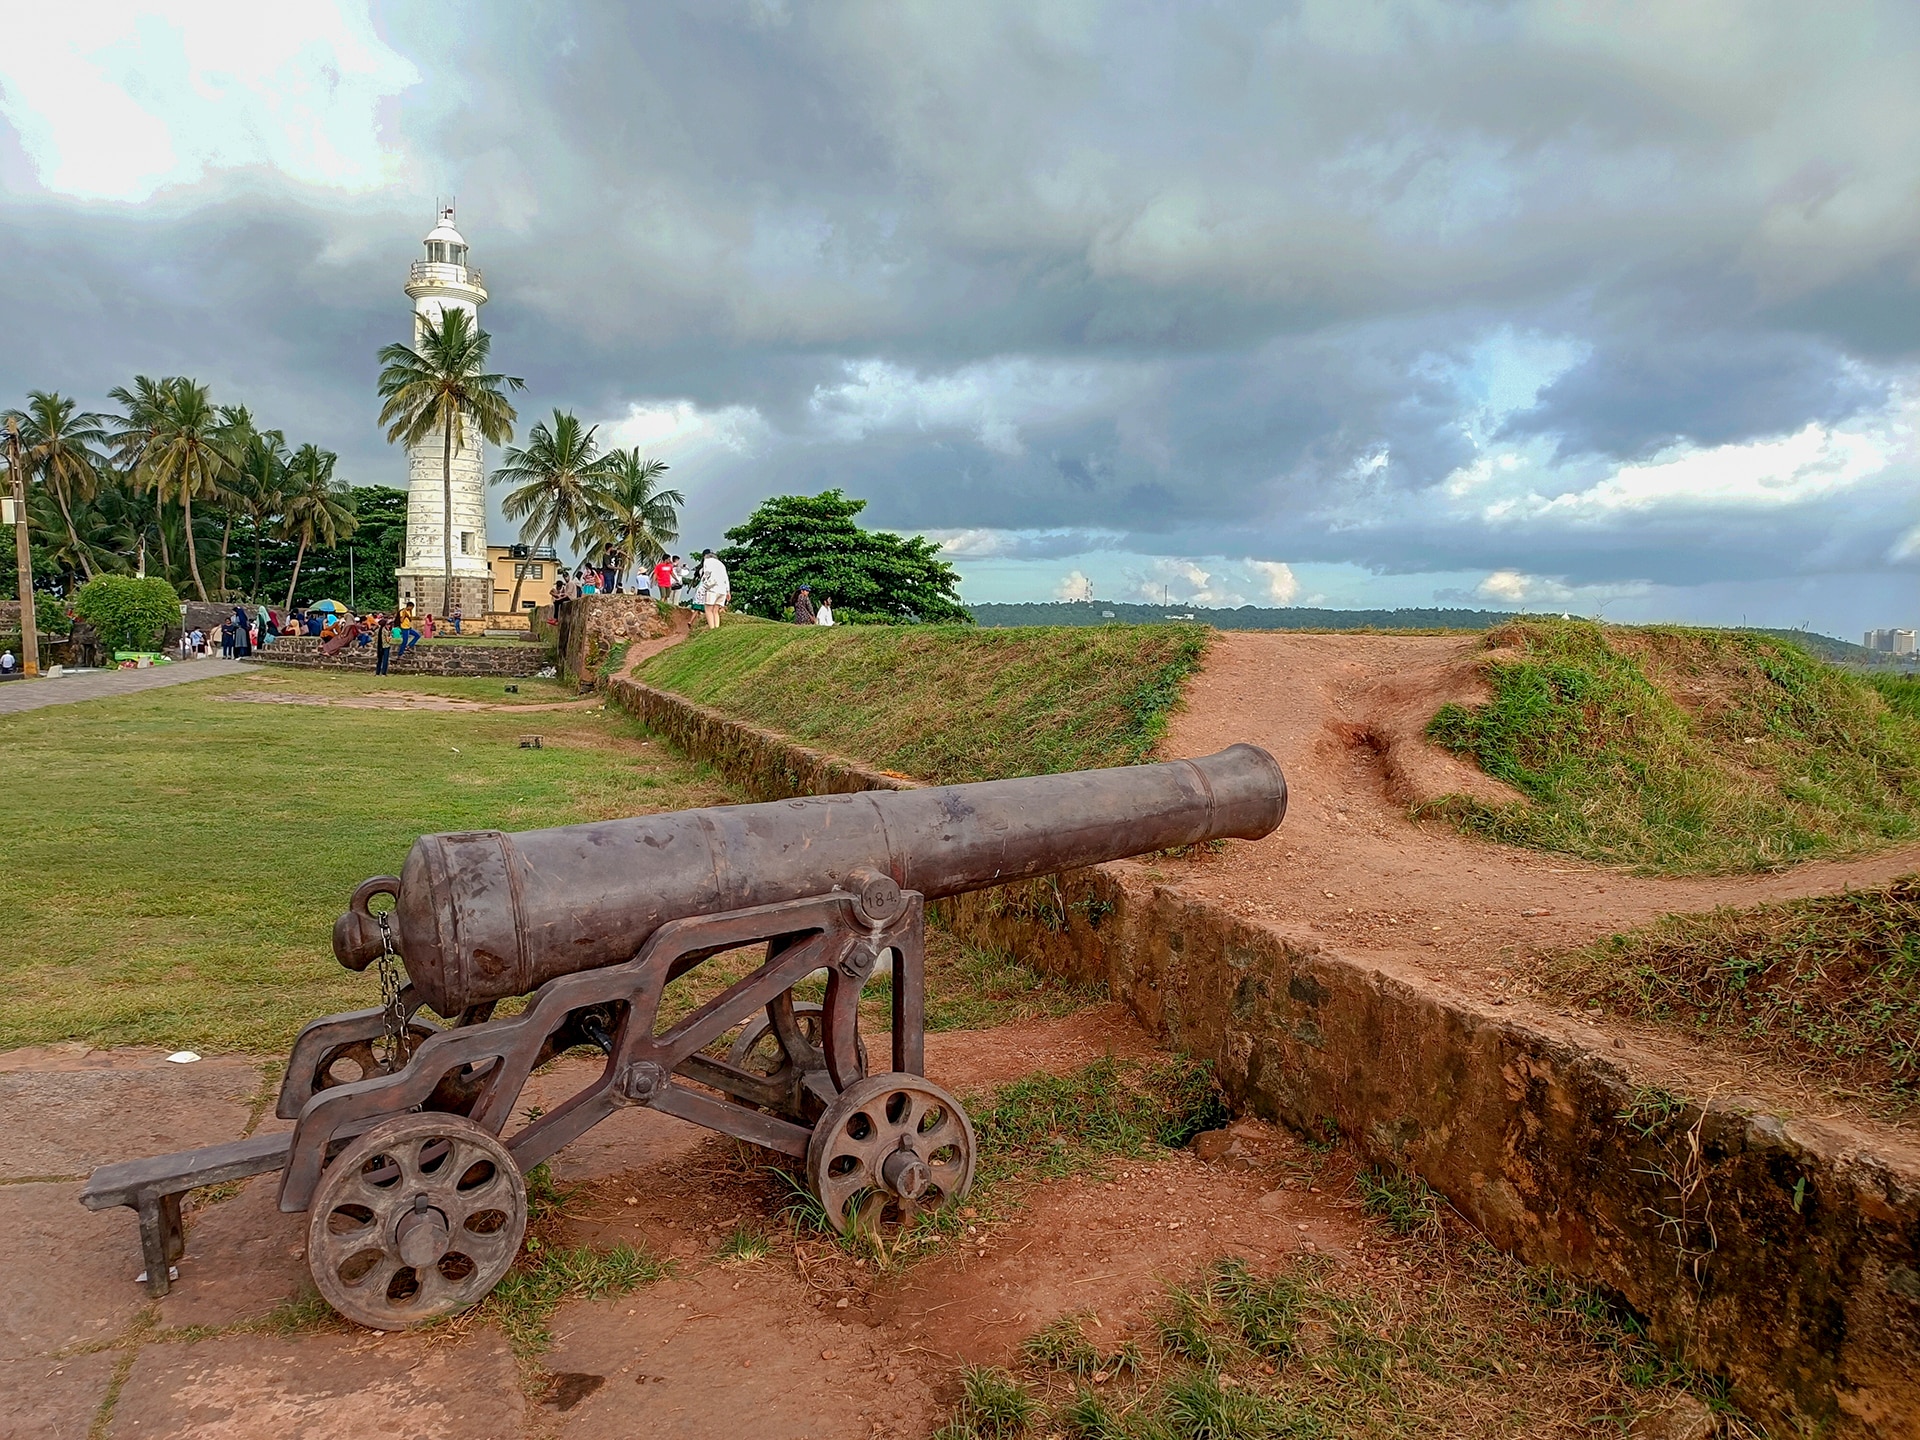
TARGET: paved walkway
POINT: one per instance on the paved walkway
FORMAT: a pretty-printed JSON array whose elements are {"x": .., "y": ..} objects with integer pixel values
[{"x": 18, "y": 695}]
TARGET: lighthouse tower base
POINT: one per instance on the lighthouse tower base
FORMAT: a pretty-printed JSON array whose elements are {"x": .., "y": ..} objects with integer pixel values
[{"x": 472, "y": 593}]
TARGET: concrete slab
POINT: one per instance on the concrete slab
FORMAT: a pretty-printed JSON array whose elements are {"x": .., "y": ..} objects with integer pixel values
[
  {"x": 19, "y": 695},
  {"x": 701, "y": 1360},
  {"x": 323, "y": 1387},
  {"x": 69, "y": 1270},
  {"x": 43, "y": 1399},
  {"x": 65, "y": 1114},
  {"x": 243, "y": 1259}
]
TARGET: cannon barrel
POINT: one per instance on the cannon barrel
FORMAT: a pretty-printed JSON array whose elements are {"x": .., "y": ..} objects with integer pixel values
[{"x": 482, "y": 915}]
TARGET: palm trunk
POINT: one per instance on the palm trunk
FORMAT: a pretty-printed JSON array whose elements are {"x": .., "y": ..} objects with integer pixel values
[
  {"x": 446, "y": 517},
  {"x": 298, "y": 556},
  {"x": 519, "y": 579},
  {"x": 193, "y": 551},
  {"x": 226, "y": 539},
  {"x": 73, "y": 535},
  {"x": 253, "y": 590},
  {"x": 160, "y": 525}
]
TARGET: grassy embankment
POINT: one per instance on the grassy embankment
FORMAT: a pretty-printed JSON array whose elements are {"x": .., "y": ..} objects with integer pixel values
[
  {"x": 1684, "y": 751},
  {"x": 1827, "y": 987},
  {"x": 945, "y": 703}
]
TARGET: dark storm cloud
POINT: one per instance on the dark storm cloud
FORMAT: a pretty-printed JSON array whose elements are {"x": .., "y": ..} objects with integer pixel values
[{"x": 1260, "y": 245}]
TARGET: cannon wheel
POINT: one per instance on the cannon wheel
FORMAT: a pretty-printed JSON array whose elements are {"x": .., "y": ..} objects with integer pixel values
[
  {"x": 889, "y": 1147},
  {"x": 417, "y": 1218},
  {"x": 757, "y": 1049}
]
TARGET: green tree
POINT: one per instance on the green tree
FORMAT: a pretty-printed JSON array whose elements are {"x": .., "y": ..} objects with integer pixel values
[
  {"x": 60, "y": 447},
  {"x": 633, "y": 516},
  {"x": 133, "y": 436},
  {"x": 317, "y": 507},
  {"x": 175, "y": 440},
  {"x": 872, "y": 576},
  {"x": 126, "y": 613},
  {"x": 445, "y": 386},
  {"x": 559, "y": 480},
  {"x": 257, "y": 489}
]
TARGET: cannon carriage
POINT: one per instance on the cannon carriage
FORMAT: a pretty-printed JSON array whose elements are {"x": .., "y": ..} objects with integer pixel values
[{"x": 404, "y": 1151}]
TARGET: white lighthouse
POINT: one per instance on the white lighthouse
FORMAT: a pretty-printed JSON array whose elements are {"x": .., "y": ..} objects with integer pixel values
[{"x": 443, "y": 280}]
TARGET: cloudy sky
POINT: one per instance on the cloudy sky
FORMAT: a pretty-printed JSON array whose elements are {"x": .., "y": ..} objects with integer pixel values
[{"x": 1599, "y": 307}]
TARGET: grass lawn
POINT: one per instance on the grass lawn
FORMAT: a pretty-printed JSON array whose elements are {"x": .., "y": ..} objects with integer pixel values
[
  {"x": 948, "y": 703},
  {"x": 180, "y": 854},
  {"x": 177, "y": 859},
  {"x": 487, "y": 689}
]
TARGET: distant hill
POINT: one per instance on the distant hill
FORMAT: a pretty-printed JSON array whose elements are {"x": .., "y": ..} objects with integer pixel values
[
  {"x": 1246, "y": 617},
  {"x": 1301, "y": 617}
]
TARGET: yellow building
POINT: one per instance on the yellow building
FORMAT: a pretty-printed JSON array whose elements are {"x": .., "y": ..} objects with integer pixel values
[{"x": 532, "y": 567}]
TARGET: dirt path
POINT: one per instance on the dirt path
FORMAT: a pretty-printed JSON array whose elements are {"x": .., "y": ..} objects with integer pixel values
[{"x": 1342, "y": 714}]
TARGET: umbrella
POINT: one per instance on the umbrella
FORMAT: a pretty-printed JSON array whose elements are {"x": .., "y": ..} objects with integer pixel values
[{"x": 333, "y": 605}]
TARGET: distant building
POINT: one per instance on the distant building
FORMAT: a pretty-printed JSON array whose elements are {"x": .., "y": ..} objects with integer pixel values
[
  {"x": 1890, "y": 642},
  {"x": 534, "y": 567}
]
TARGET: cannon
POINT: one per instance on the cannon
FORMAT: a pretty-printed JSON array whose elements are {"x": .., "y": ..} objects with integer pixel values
[{"x": 404, "y": 1152}]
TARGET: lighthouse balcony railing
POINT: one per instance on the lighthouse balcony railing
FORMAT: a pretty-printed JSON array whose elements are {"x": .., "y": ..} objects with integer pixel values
[{"x": 436, "y": 272}]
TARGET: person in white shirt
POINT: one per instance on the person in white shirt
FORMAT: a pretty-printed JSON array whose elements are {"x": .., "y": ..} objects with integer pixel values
[
  {"x": 712, "y": 590},
  {"x": 7, "y": 662},
  {"x": 823, "y": 613}
]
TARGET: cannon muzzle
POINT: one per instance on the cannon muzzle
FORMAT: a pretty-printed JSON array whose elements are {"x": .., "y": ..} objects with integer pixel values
[{"x": 481, "y": 915}]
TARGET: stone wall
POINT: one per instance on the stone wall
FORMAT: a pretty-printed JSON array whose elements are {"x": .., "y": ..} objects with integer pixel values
[
  {"x": 591, "y": 626},
  {"x": 1782, "y": 1255},
  {"x": 431, "y": 657}
]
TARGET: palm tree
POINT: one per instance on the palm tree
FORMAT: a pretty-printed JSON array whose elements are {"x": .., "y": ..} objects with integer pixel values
[
  {"x": 258, "y": 490},
  {"x": 559, "y": 478},
  {"x": 444, "y": 386},
  {"x": 248, "y": 446},
  {"x": 134, "y": 436},
  {"x": 633, "y": 517},
  {"x": 184, "y": 457},
  {"x": 316, "y": 507},
  {"x": 62, "y": 449}
]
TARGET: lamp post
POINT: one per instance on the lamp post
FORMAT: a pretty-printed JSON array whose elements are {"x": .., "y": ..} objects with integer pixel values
[{"x": 22, "y": 553}]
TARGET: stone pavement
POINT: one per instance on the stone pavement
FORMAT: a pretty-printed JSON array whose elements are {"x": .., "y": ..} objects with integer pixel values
[{"x": 18, "y": 695}]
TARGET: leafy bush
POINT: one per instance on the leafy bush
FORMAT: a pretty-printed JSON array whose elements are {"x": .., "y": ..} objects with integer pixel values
[
  {"x": 128, "y": 614},
  {"x": 872, "y": 576},
  {"x": 50, "y": 614}
]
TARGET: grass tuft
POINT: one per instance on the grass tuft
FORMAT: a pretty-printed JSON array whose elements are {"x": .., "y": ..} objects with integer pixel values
[
  {"x": 544, "y": 1279},
  {"x": 1829, "y": 986},
  {"x": 1404, "y": 1201},
  {"x": 746, "y": 1245},
  {"x": 993, "y": 1406},
  {"x": 1682, "y": 751},
  {"x": 947, "y": 703}
]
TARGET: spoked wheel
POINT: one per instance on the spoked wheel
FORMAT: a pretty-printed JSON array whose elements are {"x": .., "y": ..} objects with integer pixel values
[
  {"x": 757, "y": 1048},
  {"x": 419, "y": 1217},
  {"x": 889, "y": 1147}
]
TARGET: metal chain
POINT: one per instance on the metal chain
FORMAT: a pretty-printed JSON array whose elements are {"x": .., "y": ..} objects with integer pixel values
[{"x": 396, "y": 1015}]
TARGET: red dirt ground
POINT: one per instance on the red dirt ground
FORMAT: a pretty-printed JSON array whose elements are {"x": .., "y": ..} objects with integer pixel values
[{"x": 1344, "y": 714}]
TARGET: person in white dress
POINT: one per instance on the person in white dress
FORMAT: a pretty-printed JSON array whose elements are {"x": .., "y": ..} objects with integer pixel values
[
  {"x": 823, "y": 613},
  {"x": 713, "y": 590}
]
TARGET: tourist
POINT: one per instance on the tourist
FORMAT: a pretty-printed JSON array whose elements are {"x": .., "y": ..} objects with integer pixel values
[
  {"x": 685, "y": 571},
  {"x": 242, "y": 633},
  {"x": 7, "y": 662},
  {"x": 712, "y": 589},
  {"x": 409, "y": 637},
  {"x": 824, "y": 615},
  {"x": 426, "y": 625},
  {"x": 382, "y": 644},
  {"x": 226, "y": 639},
  {"x": 803, "y": 613},
  {"x": 199, "y": 641},
  {"x": 663, "y": 577},
  {"x": 455, "y": 617}
]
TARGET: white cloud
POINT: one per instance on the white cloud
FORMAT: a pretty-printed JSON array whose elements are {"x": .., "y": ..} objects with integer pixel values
[
  {"x": 114, "y": 99},
  {"x": 993, "y": 544},
  {"x": 679, "y": 430},
  {"x": 1281, "y": 584},
  {"x": 1511, "y": 587},
  {"x": 990, "y": 400},
  {"x": 1183, "y": 582},
  {"x": 1073, "y": 586}
]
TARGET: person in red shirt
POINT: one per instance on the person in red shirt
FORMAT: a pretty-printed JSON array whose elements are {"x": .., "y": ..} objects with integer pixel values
[{"x": 663, "y": 578}]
